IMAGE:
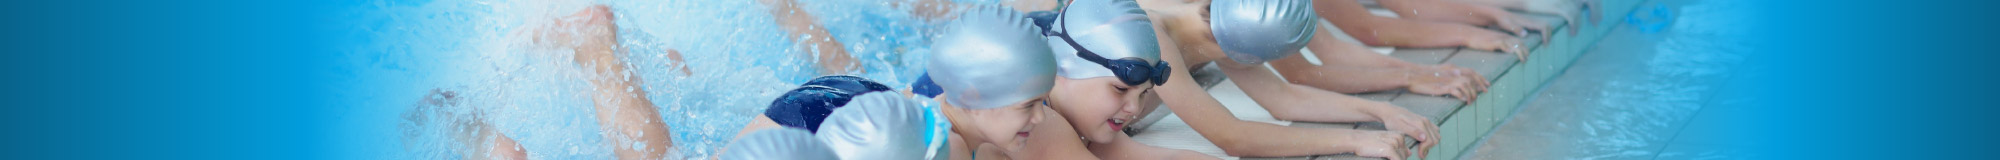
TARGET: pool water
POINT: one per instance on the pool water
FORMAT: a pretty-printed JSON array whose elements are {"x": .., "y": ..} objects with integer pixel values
[
  {"x": 1635, "y": 93},
  {"x": 739, "y": 58}
]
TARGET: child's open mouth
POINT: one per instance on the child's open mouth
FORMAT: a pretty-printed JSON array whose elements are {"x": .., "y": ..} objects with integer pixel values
[{"x": 1116, "y": 123}]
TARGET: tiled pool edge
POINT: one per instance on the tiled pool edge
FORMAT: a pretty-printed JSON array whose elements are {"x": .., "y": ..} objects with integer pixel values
[{"x": 1462, "y": 129}]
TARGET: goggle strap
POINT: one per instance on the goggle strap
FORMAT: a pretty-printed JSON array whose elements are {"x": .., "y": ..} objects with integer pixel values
[{"x": 1158, "y": 74}]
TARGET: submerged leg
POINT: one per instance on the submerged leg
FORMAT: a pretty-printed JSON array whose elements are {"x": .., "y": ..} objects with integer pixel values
[
  {"x": 831, "y": 54},
  {"x": 630, "y": 121},
  {"x": 464, "y": 125}
]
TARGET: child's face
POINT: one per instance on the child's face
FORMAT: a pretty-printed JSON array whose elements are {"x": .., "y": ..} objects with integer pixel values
[
  {"x": 1008, "y": 126},
  {"x": 1098, "y": 107}
]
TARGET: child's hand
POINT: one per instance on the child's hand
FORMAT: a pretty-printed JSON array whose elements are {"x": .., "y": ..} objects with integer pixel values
[
  {"x": 1465, "y": 84},
  {"x": 1519, "y": 26},
  {"x": 1490, "y": 41},
  {"x": 1415, "y": 126},
  {"x": 1382, "y": 144}
]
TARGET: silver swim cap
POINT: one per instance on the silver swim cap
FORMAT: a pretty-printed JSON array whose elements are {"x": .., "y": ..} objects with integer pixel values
[
  {"x": 1258, "y": 31},
  {"x": 878, "y": 125},
  {"x": 781, "y": 143},
  {"x": 991, "y": 57},
  {"x": 1111, "y": 28}
]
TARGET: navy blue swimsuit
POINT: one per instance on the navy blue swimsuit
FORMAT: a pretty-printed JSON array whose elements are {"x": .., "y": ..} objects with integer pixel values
[{"x": 809, "y": 105}]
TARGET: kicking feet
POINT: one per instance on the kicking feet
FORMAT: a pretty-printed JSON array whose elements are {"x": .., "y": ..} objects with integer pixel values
[{"x": 442, "y": 112}]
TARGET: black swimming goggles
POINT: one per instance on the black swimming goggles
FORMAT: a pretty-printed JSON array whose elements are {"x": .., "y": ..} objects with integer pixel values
[{"x": 1131, "y": 70}]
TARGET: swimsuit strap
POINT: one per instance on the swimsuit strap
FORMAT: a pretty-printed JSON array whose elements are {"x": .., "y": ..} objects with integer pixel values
[{"x": 1060, "y": 4}]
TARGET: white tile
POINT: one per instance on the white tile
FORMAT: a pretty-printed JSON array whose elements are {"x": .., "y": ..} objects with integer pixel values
[
  {"x": 1241, "y": 105},
  {"x": 1172, "y": 132}
]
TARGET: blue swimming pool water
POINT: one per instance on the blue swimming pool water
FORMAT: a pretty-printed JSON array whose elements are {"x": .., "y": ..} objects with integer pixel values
[
  {"x": 738, "y": 57},
  {"x": 1633, "y": 94}
]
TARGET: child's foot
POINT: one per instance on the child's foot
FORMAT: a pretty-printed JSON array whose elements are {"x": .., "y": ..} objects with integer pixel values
[
  {"x": 591, "y": 33},
  {"x": 678, "y": 62},
  {"x": 464, "y": 125}
]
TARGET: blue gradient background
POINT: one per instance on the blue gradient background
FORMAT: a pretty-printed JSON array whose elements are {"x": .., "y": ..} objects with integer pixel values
[
  {"x": 247, "y": 79},
  {"x": 238, "y": 79},
  {"x": 1875, "y": 80}
]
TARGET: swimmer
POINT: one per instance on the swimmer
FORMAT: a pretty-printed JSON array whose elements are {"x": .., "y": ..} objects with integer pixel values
[
  {"x": 1246, "y": 34},
  {"x": 875, "y": 125},
  {"x": 626, "y": 116},
  {"x": 990, "y": 77},
  {"x": 807, "y": 106},
  {"x": 1348, "y": 67},
  {"x": 884, "y": 125},
  {"x": 815, "y": 105},
  {"x": 1107, "y": 57},
  {"x": 788, "y": 143},
  {"x": 994, "y": 72}
]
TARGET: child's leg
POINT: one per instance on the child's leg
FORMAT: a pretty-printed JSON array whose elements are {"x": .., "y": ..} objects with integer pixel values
[
  {"x": 468, "y": 129},
  {"x": 832, "y": 55},
  {"x": 624, "y": 112}
]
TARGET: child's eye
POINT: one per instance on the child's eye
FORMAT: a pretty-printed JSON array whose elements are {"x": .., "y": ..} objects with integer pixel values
[{"x": 1031, "y": 106}]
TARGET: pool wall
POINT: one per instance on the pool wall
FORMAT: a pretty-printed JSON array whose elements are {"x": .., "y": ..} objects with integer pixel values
[{"x": 1472, "y": 123}]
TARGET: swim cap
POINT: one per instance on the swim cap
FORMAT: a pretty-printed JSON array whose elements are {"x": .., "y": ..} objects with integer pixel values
[
  {"x": 1111, "y": 28},
  {"x": 991, "y": 57},
  {"x": 806, "y": 106},
  {"x": 1258, "y": 31},
  {"x": 847, "y": 83},
  {"x": 877, "y": 125},
  {"x": 782, "y": 143}
]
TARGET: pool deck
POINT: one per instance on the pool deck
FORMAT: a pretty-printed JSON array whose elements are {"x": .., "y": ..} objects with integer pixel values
[{"x": 1465, "y": 126}]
